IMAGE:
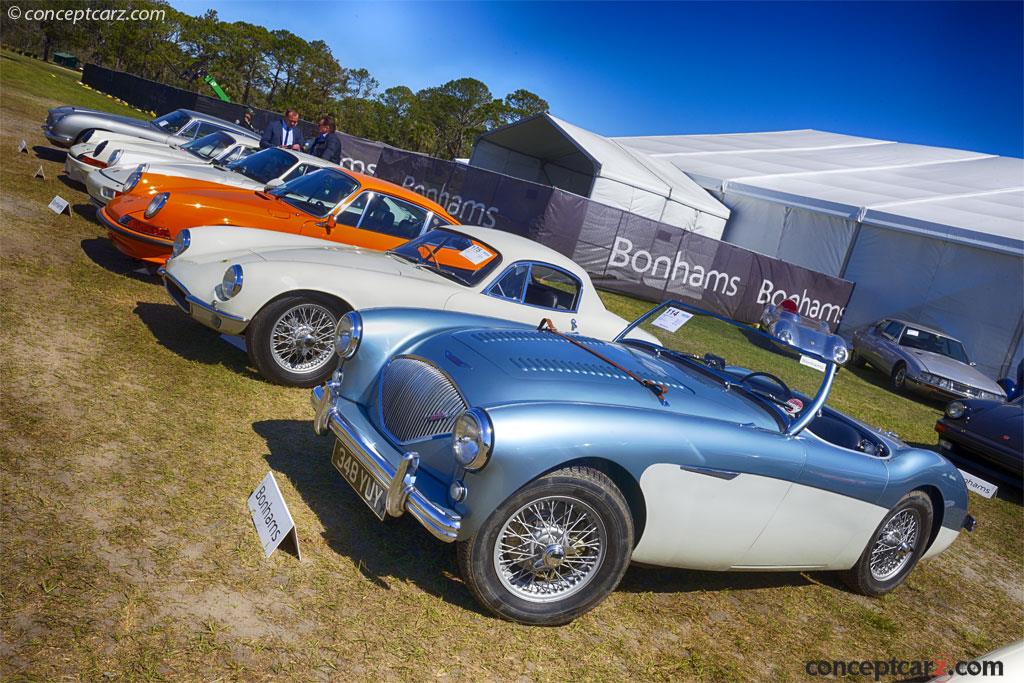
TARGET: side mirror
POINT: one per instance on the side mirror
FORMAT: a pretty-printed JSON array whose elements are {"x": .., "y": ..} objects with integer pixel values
[
  {"x": 272, "y": 183},
  {"x": 328, "y": 223}
]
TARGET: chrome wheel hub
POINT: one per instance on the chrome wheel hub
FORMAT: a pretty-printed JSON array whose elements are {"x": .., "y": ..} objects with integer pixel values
[
  {"x": 549, "y": 549},
  {"x": 894, "y": 545},
  {"x": 302, "y": 338}
]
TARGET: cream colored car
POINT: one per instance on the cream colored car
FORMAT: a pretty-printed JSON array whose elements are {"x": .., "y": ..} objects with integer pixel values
[{"x": 286, "y": 293}]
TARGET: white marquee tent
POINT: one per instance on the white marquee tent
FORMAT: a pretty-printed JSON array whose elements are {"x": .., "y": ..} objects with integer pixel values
[{"x": 931, "y": 234}]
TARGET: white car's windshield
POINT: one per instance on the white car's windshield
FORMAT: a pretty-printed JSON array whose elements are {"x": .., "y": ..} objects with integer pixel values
[
  {"x": 172, "y": 122},
  {"x": 451, "y": 254},
  {"x": 209, "y": 146},
  {"x": 317, "y": 193},
  {"x": 265, "y": 165}
]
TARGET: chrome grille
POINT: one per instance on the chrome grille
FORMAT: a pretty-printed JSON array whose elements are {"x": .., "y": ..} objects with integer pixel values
[{"x": 417, "y": 400}]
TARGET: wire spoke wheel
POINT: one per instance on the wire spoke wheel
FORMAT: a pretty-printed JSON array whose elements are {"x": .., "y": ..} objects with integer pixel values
[
  {"x": 550, "y": 548},
  {"x": 302, "y": 338},
  {"x": 894, "y": 545}
]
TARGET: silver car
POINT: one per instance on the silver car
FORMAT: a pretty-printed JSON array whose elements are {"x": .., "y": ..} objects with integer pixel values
[
  {"x": 921, "y": 359},
  {"x": 67, "y": 125}
]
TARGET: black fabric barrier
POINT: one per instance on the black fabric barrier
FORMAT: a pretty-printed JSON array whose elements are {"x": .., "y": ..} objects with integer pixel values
[{"x": 622, "y": 252}]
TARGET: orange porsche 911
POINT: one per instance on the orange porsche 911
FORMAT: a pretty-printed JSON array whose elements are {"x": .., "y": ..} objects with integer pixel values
[{"x": 331, "y": 204}]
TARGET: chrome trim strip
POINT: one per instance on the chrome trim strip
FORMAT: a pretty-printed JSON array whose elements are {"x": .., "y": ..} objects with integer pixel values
[
  {"x": 717, "y": 474},
  {"x": 403, "y": 496}
]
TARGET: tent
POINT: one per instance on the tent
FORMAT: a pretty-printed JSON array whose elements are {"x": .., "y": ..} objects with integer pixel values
[
  {"x": 547, "y": 150},
  {"x": 930, "y": 234}
]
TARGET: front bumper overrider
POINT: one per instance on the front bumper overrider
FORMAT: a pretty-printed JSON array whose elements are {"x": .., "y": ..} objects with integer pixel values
[
  {"x": 362, "y": 441},
  {"x": 200, "y": 310}
]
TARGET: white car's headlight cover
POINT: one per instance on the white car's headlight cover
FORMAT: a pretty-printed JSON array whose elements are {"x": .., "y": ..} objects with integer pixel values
[
  {"x": 473, "y": 439},
  {"x": 115, "y": 157},
  {"x": 181, "y": 242},
  {"x": 156, "y": 204},
  {"x": 133, "y": 180},
  {"x": 231, "y": 284},
  {"x": 348, "y": 334}
]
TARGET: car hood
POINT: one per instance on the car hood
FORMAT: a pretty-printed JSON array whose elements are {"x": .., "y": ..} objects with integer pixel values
[
  {"x": 198, "y": 170},
  {"x": 540, "y": 366},
  {"x": 1001, "y": 422},
  {"x": 944, "y": 366},
  {"x": 124, "y": 120},
  {"x": 238, "y": 203}
]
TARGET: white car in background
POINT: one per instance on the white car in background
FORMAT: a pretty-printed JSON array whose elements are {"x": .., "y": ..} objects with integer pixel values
[
  {"x": 260, "y": 170},
  {"x": 119, "y": 150},
  {"x": 286, "y": 292}
]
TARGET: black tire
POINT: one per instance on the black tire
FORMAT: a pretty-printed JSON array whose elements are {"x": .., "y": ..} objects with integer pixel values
[
  {"x": 595, "y": 494},
  {"x": 274, "y": 367},
  {"x": 862, "y": 578},
  {"x": 898, "y": 378},
  {"x": 856, "y": 360}
]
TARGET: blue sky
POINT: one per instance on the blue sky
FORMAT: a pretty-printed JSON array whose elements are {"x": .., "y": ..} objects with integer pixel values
[{"x": 944, "y": 73}]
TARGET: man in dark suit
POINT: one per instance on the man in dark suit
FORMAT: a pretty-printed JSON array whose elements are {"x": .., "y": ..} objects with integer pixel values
[
  {"x": 284, "y": 132},
  {"x": 327, "y": 145}
]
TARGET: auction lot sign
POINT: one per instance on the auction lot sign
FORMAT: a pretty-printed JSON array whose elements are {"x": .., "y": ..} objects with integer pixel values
[{"x": 622, "y": 252}]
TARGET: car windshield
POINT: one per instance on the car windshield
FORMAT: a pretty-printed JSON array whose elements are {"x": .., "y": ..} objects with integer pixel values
[
  {"x": 317, "y": 193},
  {"x": 265, "y": 165},
  {"x": 922, "y": 340},
  {"x": 209, "y": 146},
  {"x": 779, "y": 377},
  {"x": 451, "y": 254},
  {"x": 172, "y": 122}
]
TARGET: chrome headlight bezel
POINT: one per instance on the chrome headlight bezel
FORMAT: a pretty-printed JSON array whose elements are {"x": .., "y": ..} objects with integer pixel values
[
  {"x": 157, "y": 203},
  {"x": 473, "y": 439},
  {"x": 131, "y": 181},
  {"x": 956, "y": 410},
  {"x": 181, "y": 243},
  {"x": 231, "y": 283},
  {"x": 115, "y": 156},
  {"x": 840, "y": 354},
  {"x": 347, "y": 335}
]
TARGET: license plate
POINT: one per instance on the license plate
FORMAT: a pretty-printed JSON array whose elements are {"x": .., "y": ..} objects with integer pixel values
[{"x": 360, "y": 479}]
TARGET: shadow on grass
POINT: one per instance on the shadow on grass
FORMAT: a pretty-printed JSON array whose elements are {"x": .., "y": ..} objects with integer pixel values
[
  {"x": 399, "y": 549},
  {"x": 101, "y": 252},
  {"x": 49, "y": 154},
  {"x": 648, "y": 579},
  {"x": 174, "y": 330}
]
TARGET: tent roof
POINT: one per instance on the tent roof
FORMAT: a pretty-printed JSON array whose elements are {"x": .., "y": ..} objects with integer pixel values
[
  {"x": 545, "y": 137},
  {"x": 962, "y": 196}
]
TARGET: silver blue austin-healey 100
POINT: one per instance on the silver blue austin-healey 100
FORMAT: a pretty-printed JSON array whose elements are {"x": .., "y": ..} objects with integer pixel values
[{"x": 553, "y": 460}]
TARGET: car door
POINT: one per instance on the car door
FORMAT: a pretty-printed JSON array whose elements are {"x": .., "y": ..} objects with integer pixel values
[
  {"x": 528, "y": 292},
  {"x": 828, "y": 515},
  {"x": 374, "y": 220},
  {"x": 887, "y": 350}
]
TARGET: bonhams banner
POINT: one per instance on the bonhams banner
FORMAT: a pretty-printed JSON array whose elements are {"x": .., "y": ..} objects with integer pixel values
[{"x": 622, "y": 252}]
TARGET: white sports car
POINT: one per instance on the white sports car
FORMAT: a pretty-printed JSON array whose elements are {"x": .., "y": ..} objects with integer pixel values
[
  {"x": 256, "y": 171},
  {"x": 110, "y": 150},
  {"x": 286, "y": 292}
]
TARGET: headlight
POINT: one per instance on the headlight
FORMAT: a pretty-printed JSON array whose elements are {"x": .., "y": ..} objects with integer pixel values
[
  {"x": 99, "y": 149},
  {"x": 785, "y": 336},
  {"x": 348, "y": 334},
  {"x": 133, "y": 180},
  {"x": 841, "y": 354},
  {"x": 115, "y": 157},
  {"x": 232, "y": 282},
  {"x": 157, "y": 204},
  {"x": 87, "y": 136},
  {"x": 472, "y": 439},
  {"x": 181, "y": 243},
  {"x": 956, "y": 410}
]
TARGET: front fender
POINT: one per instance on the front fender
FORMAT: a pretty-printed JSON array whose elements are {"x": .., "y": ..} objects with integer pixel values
[{"x": 916, "y": 468}]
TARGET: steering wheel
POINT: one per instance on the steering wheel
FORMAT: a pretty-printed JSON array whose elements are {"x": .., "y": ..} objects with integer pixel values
[{"x": 787, "y": 393}]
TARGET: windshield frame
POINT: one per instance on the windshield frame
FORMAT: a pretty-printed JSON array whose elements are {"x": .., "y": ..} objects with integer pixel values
[
  {"x": 281, "y": 190},
  {"x": 791, "y": 425},
  {"x": 163, "y": 117},
  {"x": 221, "y": 135},
  {"x": 233, "y": 165}
]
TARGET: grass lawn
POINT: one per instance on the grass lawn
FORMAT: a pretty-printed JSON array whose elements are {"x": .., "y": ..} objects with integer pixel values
[{"x": 130, "y": 439}]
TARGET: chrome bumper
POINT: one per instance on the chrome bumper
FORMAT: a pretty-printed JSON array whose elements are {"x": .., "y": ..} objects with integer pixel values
[
  {"x": 57, "y": 139},
  {"x": 200, "y": 310},
  {"x": 399, "y": 482}
]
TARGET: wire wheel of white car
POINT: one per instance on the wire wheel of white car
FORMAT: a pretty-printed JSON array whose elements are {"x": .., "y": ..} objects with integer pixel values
[
  {"x": 897, "y": 544},
  {"x": 553, "y": 550},
  {"x": 292, "y": 340}
]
